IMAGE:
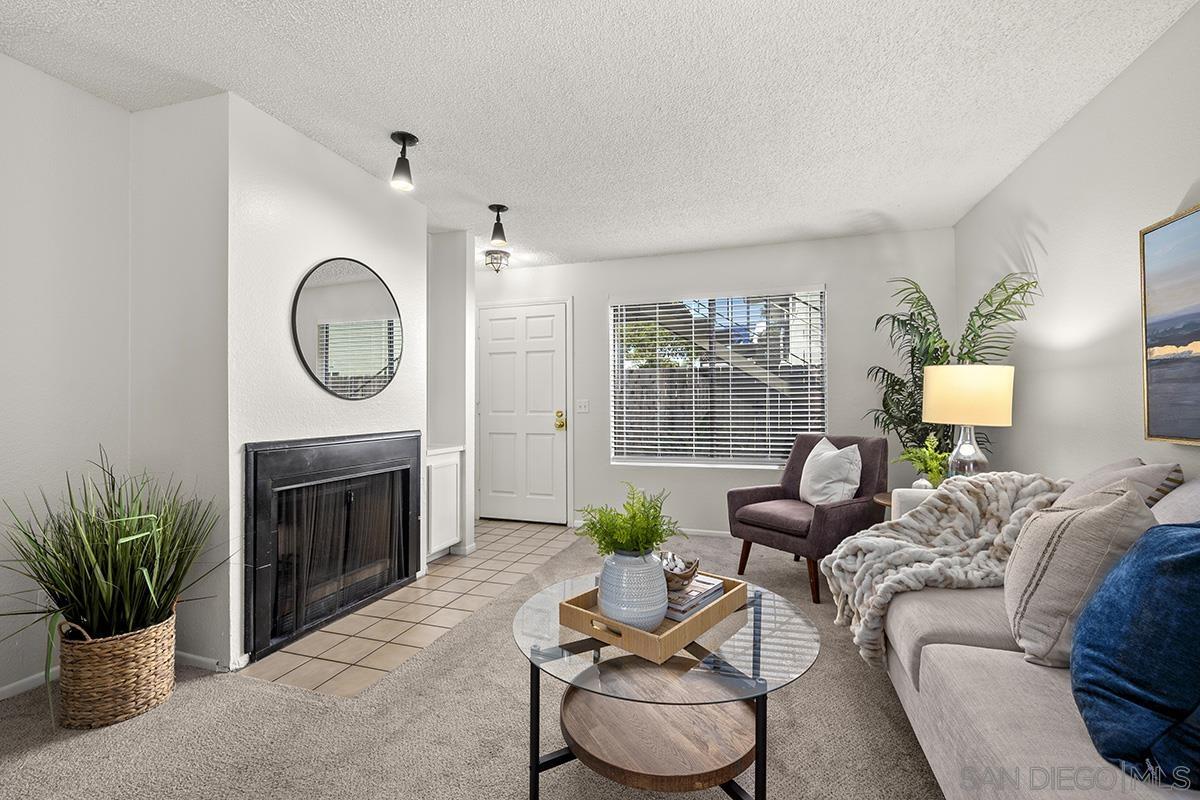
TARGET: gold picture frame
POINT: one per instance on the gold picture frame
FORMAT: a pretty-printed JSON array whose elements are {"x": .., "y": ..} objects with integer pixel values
[{"x": 1170, "y": 286}]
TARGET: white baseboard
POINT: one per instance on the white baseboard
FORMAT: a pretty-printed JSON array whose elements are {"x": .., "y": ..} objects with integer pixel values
[
  {"x": 27, "y": 683},
  {"x": 688, "y": 531},
  {"x": 37, "y": 679}
]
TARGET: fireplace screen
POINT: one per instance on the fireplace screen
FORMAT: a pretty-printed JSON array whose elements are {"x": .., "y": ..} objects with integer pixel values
[{"x": 336, "y": 545}]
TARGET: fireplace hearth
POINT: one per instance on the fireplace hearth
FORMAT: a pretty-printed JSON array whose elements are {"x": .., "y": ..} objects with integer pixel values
[{"x": 331, "y": 525}]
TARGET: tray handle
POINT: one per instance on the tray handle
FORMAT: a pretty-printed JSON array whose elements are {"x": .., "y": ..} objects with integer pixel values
[{"x": 600, "y": 626}]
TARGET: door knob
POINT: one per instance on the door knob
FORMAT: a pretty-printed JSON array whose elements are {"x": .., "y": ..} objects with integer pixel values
[{"x": 560, "y": 420}]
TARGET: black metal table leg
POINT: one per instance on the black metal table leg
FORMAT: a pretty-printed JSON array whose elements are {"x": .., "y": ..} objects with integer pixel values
[
  {"x": 760, "y": 747},
  {"x": 732, "y": 787},
  {"x": 537, "y": 762},
  {"x": 535, "y": 717}
]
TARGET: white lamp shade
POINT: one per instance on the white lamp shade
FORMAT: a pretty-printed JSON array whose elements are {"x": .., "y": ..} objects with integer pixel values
[{"x": 968, "y": 394}]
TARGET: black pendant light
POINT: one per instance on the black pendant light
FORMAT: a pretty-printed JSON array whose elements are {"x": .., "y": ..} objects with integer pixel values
[
  {"x": 498, "y": 238},
  {"x": 402, "y": 174}
]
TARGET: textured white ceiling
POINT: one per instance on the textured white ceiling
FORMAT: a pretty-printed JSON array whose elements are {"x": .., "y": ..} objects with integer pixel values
[{"x": 623, "y": 128}]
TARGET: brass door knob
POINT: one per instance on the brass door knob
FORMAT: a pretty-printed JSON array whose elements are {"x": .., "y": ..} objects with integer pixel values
[{"x": 560, "y": 420}]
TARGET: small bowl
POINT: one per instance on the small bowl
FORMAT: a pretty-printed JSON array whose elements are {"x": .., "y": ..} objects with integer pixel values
[{"x": 678, "y": 581}]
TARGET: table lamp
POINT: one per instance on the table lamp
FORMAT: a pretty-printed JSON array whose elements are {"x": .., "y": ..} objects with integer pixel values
[{"x": 967, "y": 395}]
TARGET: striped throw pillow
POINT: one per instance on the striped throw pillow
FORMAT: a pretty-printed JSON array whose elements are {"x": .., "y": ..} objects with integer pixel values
[{"x": 1060, "y": 557}]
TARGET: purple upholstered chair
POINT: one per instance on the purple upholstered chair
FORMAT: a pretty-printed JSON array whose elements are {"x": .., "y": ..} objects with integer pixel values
[{"x": 776, "y": 517}]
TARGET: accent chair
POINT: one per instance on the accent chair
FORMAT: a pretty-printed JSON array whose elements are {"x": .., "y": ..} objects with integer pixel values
[{"x": 775, "y": 516}]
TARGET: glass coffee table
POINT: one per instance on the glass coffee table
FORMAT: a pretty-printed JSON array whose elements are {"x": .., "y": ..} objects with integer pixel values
[{"x": 696, "y": 721}]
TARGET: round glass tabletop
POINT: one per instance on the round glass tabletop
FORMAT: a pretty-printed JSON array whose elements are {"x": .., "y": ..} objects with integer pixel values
[{"x": 763, "y": 646}]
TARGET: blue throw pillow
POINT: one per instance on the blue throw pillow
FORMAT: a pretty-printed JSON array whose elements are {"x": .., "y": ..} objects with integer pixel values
[{"x": 1135, "y": 659}]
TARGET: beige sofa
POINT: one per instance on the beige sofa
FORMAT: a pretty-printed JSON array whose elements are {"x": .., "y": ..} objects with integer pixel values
[{"x": 991, "y": 724}]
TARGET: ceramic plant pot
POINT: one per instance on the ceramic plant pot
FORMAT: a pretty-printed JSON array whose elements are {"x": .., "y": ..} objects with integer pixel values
[
  {"x": 633, "y": 590},
  {"x": 922, "y": 483}
]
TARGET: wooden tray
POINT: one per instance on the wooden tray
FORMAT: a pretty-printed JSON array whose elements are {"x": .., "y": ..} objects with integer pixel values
[{"x": 582, "y": 613}]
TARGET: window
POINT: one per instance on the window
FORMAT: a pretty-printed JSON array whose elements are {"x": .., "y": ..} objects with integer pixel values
[
  {"x": 718, "y": 380},
  {"x": 357, "y": 358}
]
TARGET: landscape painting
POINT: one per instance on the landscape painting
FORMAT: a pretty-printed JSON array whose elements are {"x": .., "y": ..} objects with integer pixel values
[{"x": 1171, "y": 314}]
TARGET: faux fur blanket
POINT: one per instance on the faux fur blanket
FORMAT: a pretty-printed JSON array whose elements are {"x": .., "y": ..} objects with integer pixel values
[{"x": 960, "y": 537}]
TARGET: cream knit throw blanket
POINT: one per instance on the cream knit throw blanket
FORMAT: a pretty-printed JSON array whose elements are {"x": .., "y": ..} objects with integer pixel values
[{"x": 960, "y": 537}]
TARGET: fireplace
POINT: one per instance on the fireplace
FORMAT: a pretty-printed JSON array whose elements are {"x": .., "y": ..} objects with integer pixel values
[{"x": 331, "y": 525}]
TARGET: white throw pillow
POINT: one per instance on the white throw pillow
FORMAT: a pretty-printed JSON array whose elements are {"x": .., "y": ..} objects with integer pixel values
[{"x": 830, "y": 475}]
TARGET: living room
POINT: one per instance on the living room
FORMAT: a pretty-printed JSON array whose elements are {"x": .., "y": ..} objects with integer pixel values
[{"x": 412, "y": 368}]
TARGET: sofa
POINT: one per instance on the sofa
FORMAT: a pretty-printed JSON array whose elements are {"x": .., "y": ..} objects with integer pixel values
[{"x": 991, "y": 724}]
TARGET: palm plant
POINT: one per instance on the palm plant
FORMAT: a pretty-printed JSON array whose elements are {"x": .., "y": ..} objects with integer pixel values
[{"x": 915, "y": 333}]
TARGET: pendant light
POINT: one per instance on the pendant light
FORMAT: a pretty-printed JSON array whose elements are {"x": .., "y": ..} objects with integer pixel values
[
  {"x": 498, "y": 238},
  {"x": 495, "y": 260},
  {"x": 402, "y": 174}
]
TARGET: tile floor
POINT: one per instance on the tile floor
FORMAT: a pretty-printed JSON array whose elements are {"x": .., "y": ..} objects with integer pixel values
[{"x": 350, "y": 654}]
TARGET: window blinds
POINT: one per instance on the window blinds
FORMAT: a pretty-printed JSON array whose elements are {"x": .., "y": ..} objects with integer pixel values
[
  {"x": 357, "y": 358},
  {"x": 724, "y": 380}
]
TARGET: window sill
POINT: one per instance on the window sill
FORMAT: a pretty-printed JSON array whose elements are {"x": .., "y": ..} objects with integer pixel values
[{"x": 697, "y": 465}]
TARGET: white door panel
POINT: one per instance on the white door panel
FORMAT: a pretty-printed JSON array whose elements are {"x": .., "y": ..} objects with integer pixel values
[{"x": 522, "y": 394}]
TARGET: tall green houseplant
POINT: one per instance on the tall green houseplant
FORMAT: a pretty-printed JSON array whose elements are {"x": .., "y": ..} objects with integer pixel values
[{"x": 916, "y": 336}]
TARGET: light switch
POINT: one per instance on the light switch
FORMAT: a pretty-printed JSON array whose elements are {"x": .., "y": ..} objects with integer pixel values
[{"x": 583, "y": 406}]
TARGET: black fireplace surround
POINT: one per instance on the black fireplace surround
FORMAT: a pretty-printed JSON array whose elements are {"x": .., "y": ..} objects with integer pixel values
[{"x": 332, "y": 524}]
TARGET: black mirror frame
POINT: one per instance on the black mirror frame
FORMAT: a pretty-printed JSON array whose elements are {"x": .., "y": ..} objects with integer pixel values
[{"x": 296, "y": 336}]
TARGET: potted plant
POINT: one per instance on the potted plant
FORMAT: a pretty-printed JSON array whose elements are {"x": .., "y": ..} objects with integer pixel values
[
  {"x": 916, "y": 335},
  {"x": 929, "y": 462},
  {"x": 633, "y": 589},
  {"x": 112, "y": 559}
]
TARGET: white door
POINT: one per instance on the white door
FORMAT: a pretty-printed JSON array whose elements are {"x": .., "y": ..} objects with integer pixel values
[{"x": 522, "y": 412}]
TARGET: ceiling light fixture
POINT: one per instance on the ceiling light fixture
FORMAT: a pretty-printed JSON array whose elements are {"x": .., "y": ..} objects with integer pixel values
[
  {"x": 402, "y": 174},
  {"x": 495, "y": 260},
  {"x": 498, "y": 238}
]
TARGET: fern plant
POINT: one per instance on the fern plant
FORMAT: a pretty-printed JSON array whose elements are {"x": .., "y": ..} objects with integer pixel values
[
  {"x": 927, "y": 460},
  {"x": 639, "y": 526},
  {"x": 916, "y": 336}
]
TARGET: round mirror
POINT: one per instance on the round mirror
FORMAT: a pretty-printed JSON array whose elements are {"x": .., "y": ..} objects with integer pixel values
[{"x": 346, "y": 326}]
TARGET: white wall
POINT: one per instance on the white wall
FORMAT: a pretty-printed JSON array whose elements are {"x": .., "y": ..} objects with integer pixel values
[
  {"x": 854, "y": 271},
  {"x": 179, "y": 203},
  {"x": 1071, "y": 213},
  {"x": 64, "y": 303},
  {"x": 292, "y": 204},
  {"x": 451, "y": 302}
]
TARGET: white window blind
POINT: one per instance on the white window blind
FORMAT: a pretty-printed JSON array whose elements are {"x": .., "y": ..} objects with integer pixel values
[
  {"x": 725, "y": 380},
  {"x": 357, "y": 358}
]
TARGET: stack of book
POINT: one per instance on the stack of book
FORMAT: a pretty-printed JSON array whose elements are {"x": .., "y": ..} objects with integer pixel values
[{"x": 699, "y": 593}]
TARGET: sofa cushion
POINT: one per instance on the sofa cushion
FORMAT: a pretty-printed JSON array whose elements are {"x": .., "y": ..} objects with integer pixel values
[
  {"x": 1135, "y": 666},
  {"x": 785, "y": 516},
  {"x": 1060, "y": 557},
  {"x": 1180, "y": 506},
  {"x": 1152, "y": 481},
  {"x": 996, "y": 726},
  {"x": 945, "y": 616}
]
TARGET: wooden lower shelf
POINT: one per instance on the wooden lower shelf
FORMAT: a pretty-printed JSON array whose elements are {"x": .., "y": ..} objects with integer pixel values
[{"x": 663, "y": 748}]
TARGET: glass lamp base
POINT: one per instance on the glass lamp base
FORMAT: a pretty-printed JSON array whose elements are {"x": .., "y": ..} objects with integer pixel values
[{"x": 967, "y": 458}]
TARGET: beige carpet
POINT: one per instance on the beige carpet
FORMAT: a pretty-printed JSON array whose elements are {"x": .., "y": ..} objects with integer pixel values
[{"x": 452, "y": 723}]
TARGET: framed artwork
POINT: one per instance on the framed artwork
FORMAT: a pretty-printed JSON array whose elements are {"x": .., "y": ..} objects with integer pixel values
[{"x": 1171, "y": 328}]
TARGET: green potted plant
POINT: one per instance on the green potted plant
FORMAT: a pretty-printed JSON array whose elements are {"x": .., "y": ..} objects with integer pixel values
[
  {"x": 112, "y": 559},
  {"x": 633, "y": 588},
  {"x": 916, "y": 336},
  {"x": 929, "y": 462}
]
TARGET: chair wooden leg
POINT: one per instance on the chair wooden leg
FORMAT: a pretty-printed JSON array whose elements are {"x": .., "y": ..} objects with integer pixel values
[
  {"x": 796, "y": 557},
  {"x": 814, "y": 580},
  {"x": 742, "y": 560}
]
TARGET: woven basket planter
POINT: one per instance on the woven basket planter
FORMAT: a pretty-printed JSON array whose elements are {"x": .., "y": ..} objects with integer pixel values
[{"x": 102, "y": 681}]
